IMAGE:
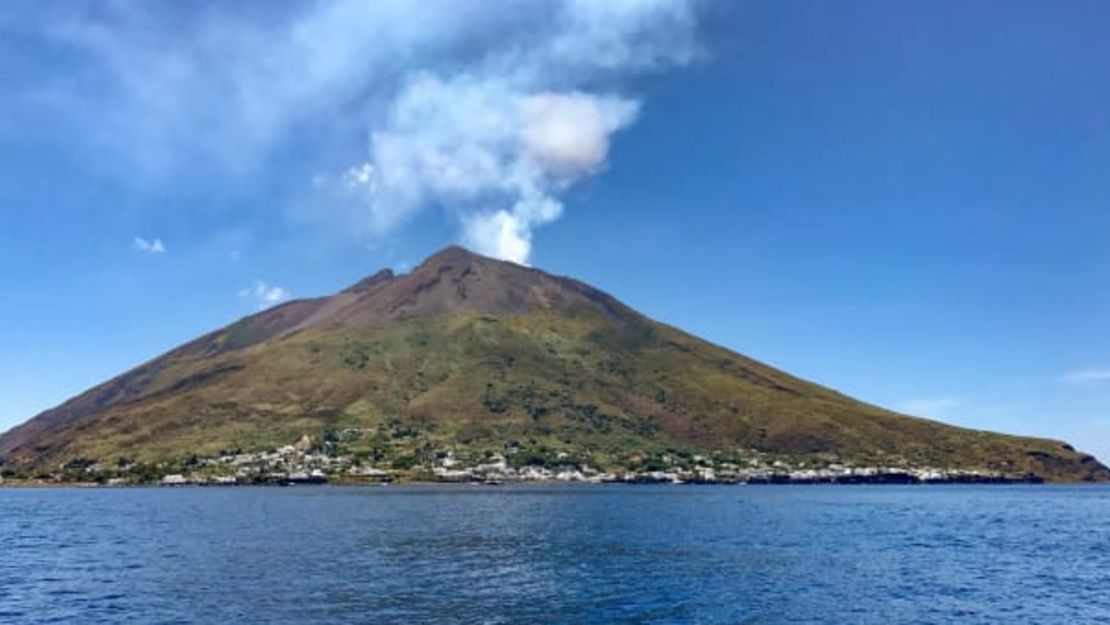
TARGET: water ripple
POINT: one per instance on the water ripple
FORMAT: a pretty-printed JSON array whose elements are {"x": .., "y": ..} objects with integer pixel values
[{"x": 557, "y": 555}]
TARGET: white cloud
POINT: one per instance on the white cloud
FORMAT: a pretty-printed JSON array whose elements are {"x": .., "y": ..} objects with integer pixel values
[
  {"x": 264, "y": 295},
  {"x": 931, "y": 407},
  {"x": 489, "y": 111},
  {"x": 1084, "y": 377},
  {"x": 151, "y": 247}
]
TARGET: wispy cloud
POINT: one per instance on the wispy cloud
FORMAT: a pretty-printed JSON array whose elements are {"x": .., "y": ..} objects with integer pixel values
[
  {"x": 264, "y": 295},
  {"x": 488, "y": 110},
  {"x": 153, "y": 246},
  {"x": 1083, "y": 377},
  {"x": 932, "y": 407}
]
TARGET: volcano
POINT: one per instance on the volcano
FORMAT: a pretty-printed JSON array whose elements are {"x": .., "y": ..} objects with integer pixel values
[{"x": 470, "y": 353}]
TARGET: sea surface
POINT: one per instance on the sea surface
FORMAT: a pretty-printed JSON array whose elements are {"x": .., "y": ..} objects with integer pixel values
[{"x": 557, "y": 554}]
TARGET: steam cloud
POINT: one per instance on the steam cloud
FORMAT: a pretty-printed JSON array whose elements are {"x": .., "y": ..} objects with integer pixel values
[
  {"x": 473, "y": 143},
  {"x": 489, "y": 110},
  {"x": 498, "y": 139}
]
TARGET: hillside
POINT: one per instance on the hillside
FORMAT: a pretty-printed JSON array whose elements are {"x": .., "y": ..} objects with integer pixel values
[{"x": 470, "y": 355}]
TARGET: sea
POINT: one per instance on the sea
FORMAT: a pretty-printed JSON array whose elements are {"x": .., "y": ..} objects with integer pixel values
[{"x": 557, "y": 554}]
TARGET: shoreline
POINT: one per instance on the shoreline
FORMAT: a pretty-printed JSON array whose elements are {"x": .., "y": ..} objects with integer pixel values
[{"x": 26, "y": 485}]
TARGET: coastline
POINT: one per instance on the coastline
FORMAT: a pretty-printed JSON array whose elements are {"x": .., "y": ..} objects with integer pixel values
[{"x": 346, "y": 482}]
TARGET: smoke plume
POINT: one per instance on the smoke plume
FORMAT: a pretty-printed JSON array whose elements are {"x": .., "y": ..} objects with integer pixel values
[
  {"x": 499, "y": 139},
  {"x": 486, "y": 110}
]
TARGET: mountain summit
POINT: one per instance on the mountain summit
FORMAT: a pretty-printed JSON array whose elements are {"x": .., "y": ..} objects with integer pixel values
[{"x": 471, "y": 355}]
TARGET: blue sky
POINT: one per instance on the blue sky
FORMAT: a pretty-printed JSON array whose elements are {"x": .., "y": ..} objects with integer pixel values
[{"x": 905, "y": 201}]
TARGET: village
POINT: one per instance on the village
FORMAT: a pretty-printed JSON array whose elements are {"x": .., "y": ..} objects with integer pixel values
[{"x": 305, "y": 463}]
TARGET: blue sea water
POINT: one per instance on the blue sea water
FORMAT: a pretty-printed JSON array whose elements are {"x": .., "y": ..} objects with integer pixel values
[{"x": 557, "y": 554}]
